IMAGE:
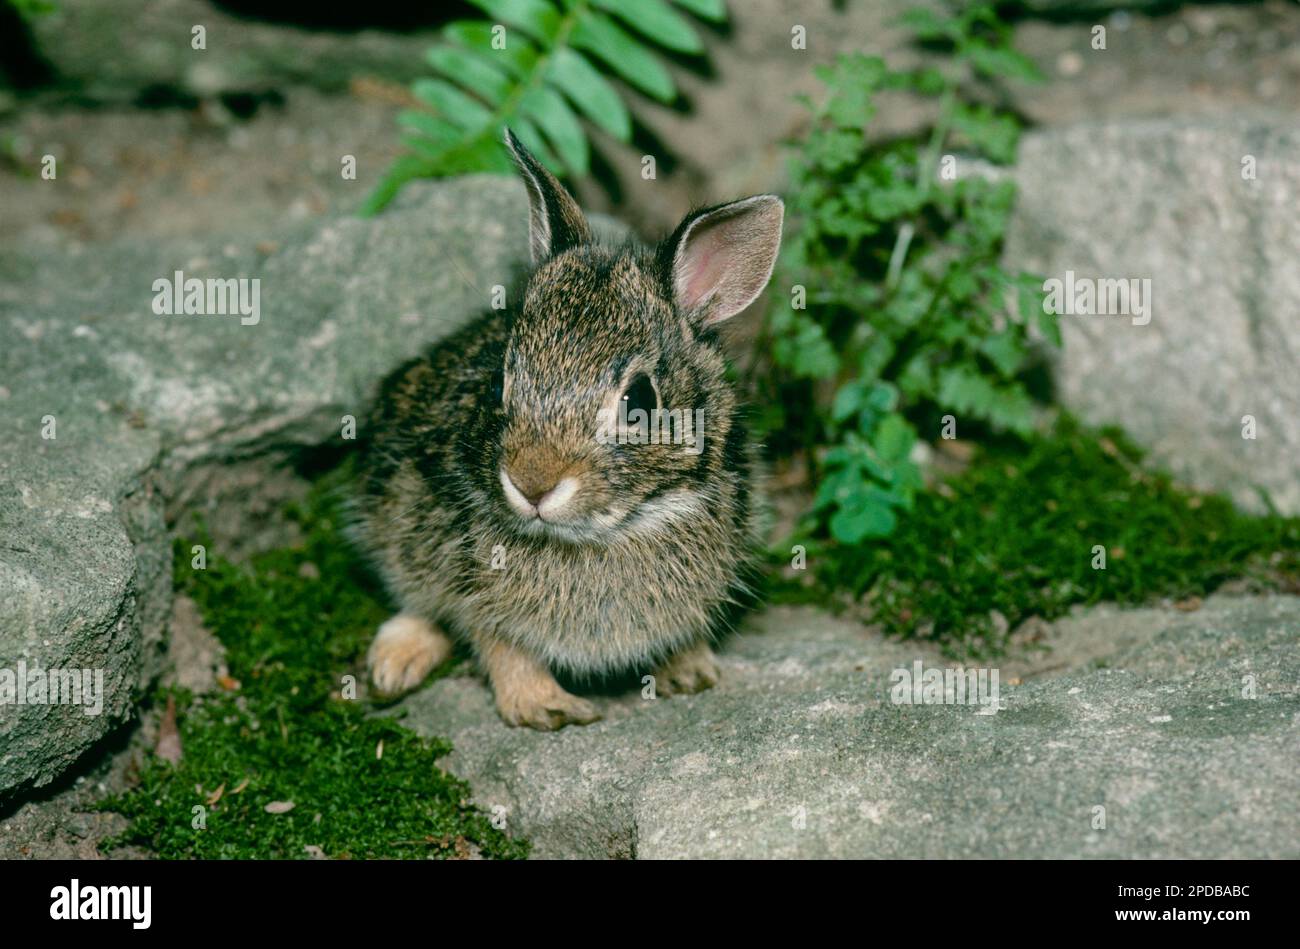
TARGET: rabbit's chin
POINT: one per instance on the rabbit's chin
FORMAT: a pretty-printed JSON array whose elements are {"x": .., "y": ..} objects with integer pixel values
[
  {"x": 599, "y": 528},
  {"x": 586, "y": 530}
]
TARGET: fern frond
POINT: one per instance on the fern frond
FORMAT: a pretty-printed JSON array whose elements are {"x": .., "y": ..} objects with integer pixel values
[{"x": 532, "y": 65}]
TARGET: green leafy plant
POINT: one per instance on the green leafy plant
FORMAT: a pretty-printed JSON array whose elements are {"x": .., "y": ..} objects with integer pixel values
[
  {"x": 1014, "y": 536},
  {"x": 530, "y": 66},
  {"x": 338, "y": 780},
  {"x": 907, "y": 312}
]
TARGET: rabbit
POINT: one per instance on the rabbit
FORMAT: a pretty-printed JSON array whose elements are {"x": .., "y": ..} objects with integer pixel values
[{"x": 502, "y": 504}]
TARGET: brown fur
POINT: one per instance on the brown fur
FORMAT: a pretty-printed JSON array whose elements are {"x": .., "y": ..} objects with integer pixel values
[{"x": 637, "y": 552}]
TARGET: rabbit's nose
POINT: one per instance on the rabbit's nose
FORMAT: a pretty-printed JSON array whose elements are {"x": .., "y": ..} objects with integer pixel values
[
  {"x": 534, "y": 494},
  {"x": 535, "y": 497},
  {"x": 532, "y": 489}
]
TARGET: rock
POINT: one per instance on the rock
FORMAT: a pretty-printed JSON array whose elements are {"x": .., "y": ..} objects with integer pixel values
[
  {"x": 130, "y": 174},
  {"x": 800, "y": 752},
  {"x": 123, "y": 51},
  {"x": 156, "y": 415},
  {"x": 78, "y": 593},
  {"x": 1166, "y": 201}
]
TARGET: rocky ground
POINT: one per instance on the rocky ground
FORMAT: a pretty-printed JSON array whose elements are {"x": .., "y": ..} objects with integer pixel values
[
  {"x": 1147, "y": 750},
  {"x": 1135, "y": 171}
]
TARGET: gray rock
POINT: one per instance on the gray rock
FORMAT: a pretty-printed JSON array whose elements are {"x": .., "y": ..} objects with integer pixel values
[
  {"x": 116, "y": 50},
  {"x": 800, "y": 752},
  {"x": 1166, "y": 201},
  {"x": 155, "y": 415}
]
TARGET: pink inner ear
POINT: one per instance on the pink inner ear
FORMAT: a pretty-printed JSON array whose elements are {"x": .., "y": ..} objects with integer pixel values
[
  {"x": 701, "y": 272},
  {"x": 725, "y": 259}
]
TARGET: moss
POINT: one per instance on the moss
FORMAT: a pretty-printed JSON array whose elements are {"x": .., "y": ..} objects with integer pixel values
[
  {"x": 294, "y": 624},
  {"x": 1015, "y": 533}
]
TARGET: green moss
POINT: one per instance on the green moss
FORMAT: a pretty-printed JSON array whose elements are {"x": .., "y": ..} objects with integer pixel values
[
  {"x": 295, "y": 623},
  {"x": 1015, "y": 533}
]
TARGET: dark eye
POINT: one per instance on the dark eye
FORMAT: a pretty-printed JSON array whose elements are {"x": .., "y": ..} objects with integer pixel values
[
  {"x": 640, "y": 394},
  {"x": 498, "y": 386}
]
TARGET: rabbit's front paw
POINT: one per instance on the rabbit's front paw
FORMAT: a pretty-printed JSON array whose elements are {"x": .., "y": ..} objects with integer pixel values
[
  {"x": 694, "y": 669},
  {"x": 544, "y": 706},
  {"x": 526, "y": 692},
  {"x": 405, "y": 649}
]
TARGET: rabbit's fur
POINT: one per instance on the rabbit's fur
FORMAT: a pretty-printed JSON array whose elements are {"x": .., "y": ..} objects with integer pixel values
[{"x": 495, "y": 513}]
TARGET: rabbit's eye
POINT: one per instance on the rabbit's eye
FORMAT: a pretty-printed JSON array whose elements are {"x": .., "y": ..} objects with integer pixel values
[
  {"x": 640, "y": 394},
  {"x": 498, "y": 386}
]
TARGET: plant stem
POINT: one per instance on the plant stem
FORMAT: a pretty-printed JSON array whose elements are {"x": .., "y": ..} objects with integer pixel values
[{"x": 927, "y": 170}]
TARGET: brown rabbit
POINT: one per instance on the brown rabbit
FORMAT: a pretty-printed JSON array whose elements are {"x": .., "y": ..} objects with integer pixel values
[{"x": 512, "y": 493}]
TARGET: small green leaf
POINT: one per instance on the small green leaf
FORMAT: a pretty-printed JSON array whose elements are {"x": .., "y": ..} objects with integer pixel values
[
  {"x": 517, "y": 57},
  {"x": 894, "y": 438},
  {"x": 883, "y": 397},
  {"x": 928, "y": 25},
  {"x": 712, "y": 10},
  {"x": 842, "y": 481},
  {"x": 656, "y": 20},
  {"x": 1031, "y": 304},
  {"x": 537, "y": 18},
  {"x": 553, "y": 116},
  {"x": 452, "y": 104},
  {"x": 994, "y": 134},
  {"x": 835, "y": 149},
  {"x": 1005, "y": 351},
  {"x": 966, "y": 391},
  {"x": 588, "y": 90},
  {"x": 483, "y": 153},
  {"x": 806, "y": 351},
  {"x": 622, "y": 53},
  {"x": 436, "y": 132},
  {"x": 1001, "y": 62},
  {"x": 474, "y": 72},
  {"x": 867, "y": 514},
  {"x": 928, "y": 82},
  {"x": 848, "y": 400}
]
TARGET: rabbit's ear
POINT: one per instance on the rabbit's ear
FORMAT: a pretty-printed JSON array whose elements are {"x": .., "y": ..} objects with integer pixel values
[
  {"x": 555, "y": 223},
  {"x": 719, "y": 259}
]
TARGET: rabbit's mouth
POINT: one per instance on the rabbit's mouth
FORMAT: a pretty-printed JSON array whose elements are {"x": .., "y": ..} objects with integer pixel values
[
  {"x": 554, "y": 511},
  {"x": 554, "y": 515},
  {"x": 557, "y": 514}
]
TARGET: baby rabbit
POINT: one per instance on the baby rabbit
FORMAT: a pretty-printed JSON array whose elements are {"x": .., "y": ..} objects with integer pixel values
[{"x": 520, "y": 490}]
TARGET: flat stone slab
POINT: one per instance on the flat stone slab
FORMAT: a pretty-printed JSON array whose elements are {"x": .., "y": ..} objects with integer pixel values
[{"x": 800, "y": 751}]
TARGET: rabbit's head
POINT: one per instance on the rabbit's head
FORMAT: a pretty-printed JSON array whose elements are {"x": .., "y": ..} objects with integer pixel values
[{"x": 613, "y": 416}]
